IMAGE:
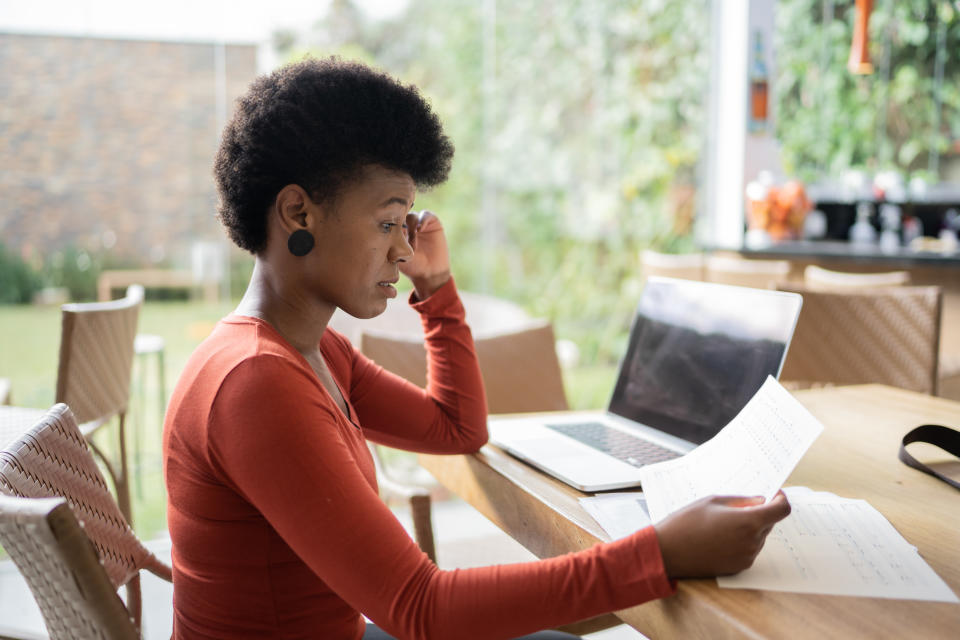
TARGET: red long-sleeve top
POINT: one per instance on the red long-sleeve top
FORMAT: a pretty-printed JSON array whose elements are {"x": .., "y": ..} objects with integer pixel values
[{"x": 277, "y": 528}]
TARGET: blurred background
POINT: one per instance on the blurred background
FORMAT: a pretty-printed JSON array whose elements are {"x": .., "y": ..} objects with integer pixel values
[{"x": 586, "y": 132}]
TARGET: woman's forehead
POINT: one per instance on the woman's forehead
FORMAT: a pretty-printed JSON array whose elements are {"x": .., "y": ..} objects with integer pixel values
[{"x": 381, "y": 186}]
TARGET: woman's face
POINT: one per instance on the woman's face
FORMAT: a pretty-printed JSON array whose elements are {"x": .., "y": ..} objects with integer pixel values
[{"x": 360, "y": 242}]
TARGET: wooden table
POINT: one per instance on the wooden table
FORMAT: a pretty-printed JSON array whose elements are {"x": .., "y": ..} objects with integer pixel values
[
  {"x": 856, "y": 457},
  {"x": 111, "y": 279}
]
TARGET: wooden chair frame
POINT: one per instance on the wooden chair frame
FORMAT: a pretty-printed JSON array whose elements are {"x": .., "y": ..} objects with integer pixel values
[{"x": 52, "y": 459}]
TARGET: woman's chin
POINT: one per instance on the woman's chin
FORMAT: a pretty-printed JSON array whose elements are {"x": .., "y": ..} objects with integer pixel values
[{"x": 367, "y": 311}]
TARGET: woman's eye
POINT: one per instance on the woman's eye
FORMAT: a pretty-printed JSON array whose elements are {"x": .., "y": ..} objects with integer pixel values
[{"x": 387, "y": 226}]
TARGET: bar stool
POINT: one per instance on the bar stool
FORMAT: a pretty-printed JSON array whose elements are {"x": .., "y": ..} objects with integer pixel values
[{"x": 144, "y": 346}]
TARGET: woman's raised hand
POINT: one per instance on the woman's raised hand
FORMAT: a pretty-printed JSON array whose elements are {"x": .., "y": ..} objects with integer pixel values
[
  {"x": 429, "y": 268},
  {"x": 717, "y": 535}
]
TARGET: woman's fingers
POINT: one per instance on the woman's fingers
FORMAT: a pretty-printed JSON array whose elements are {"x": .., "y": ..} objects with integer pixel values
[
  {"x": 427, "y": 221},
  {"x": 412, "y": 221},
  {"x": 739, "y": 501},
  {"x": 421, "y": 222},
  {"x": 777, "y": 509}
]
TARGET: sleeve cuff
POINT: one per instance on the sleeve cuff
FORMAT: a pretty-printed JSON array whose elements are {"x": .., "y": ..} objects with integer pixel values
[
  {"x": 645, "y": 546},
  {"x": 444, "y": 303},
  {"x": 659, "y": 582}
]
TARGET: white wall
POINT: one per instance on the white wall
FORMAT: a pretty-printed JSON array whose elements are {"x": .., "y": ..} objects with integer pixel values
[{"x": 734, "y": 156}]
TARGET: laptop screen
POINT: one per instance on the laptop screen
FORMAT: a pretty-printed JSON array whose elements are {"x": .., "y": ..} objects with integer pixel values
[{"x": 698, "y": 352}]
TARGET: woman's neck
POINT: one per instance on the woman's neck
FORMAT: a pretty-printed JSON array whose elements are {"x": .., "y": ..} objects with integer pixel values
[{"x": 283, "y": 305}]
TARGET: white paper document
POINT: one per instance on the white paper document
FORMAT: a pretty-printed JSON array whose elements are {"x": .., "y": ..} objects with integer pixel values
[
  {"x": 619, "y": 514},
  {"x": 842, "y": 547},
  {"x": 751, "y": 456}
]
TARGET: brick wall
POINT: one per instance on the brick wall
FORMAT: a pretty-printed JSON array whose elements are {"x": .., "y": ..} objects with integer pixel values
[{"x": 109, "y": 144}]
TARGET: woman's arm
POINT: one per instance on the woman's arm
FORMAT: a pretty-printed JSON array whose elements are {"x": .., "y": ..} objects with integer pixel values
[
  {"x": 450, "y": 416},
  {"x": 277, "y": 439}
]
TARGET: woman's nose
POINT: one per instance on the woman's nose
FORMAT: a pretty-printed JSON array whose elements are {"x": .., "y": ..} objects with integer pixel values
[{"x": 401, "y": 250}]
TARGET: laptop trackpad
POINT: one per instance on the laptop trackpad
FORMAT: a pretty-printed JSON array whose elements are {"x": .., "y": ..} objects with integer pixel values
[{"x": 572, "y": 462}]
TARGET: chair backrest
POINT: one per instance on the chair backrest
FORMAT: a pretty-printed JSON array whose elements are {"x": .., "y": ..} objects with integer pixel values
[
  {"x": 520, "y": 369},
  {"x": 62, "y": 569},
  {"x": 52, "y": 459},
  {"x": 759, "y": 274},
  {"x": 96, "y": 355},
  {"x": 876, "y": 335},
  {"x": 820, "y": 278},
  {"x": 687, "y": 266}
]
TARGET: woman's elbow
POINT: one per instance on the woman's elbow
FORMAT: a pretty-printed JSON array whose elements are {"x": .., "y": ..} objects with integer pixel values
[{"x": 476, "y": 439}]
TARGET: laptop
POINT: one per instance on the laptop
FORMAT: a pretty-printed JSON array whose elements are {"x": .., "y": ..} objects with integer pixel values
[{"x": 697, "y": 353}]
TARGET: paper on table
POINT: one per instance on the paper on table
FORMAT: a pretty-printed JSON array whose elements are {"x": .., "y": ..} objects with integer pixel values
[
  {"x": 751, "y": 456},
  {"x": 619, "y": 514},
  {"x": 841, "y": 547}
]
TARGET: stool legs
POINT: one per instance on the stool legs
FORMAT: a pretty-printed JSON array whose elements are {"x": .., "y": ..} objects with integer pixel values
[{"x": 147, "y": 345}]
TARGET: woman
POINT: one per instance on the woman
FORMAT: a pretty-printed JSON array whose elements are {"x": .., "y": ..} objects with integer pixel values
[{"x": 273, "y": 510}]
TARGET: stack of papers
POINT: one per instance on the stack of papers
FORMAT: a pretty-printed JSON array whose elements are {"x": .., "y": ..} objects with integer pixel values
[
  {"x": 839, "y": 546},
  {"x": 828, "y": 544}
]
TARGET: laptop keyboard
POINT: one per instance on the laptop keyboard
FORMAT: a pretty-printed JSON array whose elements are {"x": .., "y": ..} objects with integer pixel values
[{"x": 623, "y": 446}]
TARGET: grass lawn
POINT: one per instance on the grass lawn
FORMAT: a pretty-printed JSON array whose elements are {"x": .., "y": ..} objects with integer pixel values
[{"x": 29, "y": 347}]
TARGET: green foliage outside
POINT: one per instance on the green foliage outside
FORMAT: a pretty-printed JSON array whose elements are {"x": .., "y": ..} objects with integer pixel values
[
  {"x": 578, "y": 128},
  {"x": 75, "y": 270},
  {"x": 18, "y": 281},
  {"x": 830, "y": 120}
]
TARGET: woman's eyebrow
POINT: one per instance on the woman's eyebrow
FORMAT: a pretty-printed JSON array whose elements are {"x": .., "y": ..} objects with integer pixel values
[{"x": 395, "y": 200}]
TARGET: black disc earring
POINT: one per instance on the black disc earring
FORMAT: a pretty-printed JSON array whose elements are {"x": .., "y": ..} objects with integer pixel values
[{"x": 300, "y": 243}]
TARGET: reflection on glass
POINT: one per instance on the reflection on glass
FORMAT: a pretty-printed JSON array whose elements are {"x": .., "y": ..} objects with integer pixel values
[{"x": 697, "y": 354}]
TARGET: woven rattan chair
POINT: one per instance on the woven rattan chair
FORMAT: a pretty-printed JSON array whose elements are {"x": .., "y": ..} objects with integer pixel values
[
  {"x": 948, "y": 384},
  {"x": 521, "y": 373},
  {"x": 93, "y": 376},
  {"x": 688, "y": 266},
  {"x": 820, "y": 278},
  {"x": 48, "y": 544},
  {"x": 759, "y": 274},
  {"x": 51, "y": 459},
  {"x": 876, "y": 335}
]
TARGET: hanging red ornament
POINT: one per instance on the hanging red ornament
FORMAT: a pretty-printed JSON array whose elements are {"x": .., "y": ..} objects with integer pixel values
[{"x": 859, "y": 61}]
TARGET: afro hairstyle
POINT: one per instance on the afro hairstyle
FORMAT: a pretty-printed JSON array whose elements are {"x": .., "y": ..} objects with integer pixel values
[{"x": 318, "y": 123}]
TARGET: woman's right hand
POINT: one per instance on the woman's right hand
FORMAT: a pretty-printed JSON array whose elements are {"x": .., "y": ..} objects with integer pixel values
[
  {"x": 717, "y": 535},
  {"x": 429, "y": 267}
]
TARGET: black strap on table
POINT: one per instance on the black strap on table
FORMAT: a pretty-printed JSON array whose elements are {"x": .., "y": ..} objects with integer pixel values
[{"x": 944, "y": 437}]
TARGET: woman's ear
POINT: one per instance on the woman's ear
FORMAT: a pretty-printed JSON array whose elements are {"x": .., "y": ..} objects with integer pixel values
[{"x": 292, "y": 208}]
